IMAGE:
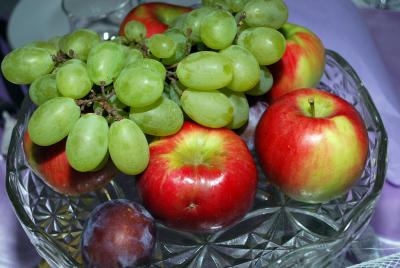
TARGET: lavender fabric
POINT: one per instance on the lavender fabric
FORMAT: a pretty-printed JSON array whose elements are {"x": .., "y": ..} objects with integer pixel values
[{"x": 342, "y": 27}]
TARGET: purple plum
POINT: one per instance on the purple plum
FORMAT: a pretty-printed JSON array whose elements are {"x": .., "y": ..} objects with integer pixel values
[{"x": 118, "y": 233}]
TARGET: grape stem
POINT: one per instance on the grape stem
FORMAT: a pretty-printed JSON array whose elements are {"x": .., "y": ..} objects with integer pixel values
[
  {"x": 71, "y": 53},
  {"x": 102, "y": 100},
  {"x": 111, "y": 110},
  {"x": 188, "y": 42},
  {"x": 102, "y": 87},
  {"x": 89, "y": 101},
  {"x": 241, "y": 19},
  {"x": 112, "y": 93},
  {"x": 60, "y": 57},
  {"x": 142, "y": 47},
  {"x": 171, "y": 75},
  {"x": 173, "y": 66},
  {"x": 176, "y": 88}
]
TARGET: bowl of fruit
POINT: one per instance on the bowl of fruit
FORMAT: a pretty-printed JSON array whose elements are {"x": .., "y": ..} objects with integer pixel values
[{"x": 221, "y": 136}]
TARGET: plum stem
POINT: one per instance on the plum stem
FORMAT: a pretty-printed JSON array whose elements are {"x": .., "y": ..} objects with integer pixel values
[{"x": 312, "y": 106}]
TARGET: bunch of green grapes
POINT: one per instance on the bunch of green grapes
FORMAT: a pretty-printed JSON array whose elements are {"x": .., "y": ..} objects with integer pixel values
[
  {"x": 233, "y": 43},
  {"x": 107, "y": 97}
]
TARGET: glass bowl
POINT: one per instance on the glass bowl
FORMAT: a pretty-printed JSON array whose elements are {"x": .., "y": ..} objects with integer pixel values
[{"x": 278, "y": 231}]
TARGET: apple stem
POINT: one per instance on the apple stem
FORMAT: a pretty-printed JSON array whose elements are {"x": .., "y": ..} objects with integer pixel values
[{"x": 312, "y": 106}]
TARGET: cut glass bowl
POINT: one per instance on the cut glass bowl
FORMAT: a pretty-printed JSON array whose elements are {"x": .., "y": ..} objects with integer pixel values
[{"x": 277, "y": 231}]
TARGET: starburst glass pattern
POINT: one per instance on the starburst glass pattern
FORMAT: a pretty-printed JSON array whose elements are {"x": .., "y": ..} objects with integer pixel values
[{"x": 277, "y": 232}]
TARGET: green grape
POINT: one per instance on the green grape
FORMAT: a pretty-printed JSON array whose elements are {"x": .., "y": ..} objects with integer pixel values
[
  {"x": 49, "y": 46},
  {"x": 266, "y": 44},
  {"x": 168, "y": 15},
  {"x": 245, "y": 68},
  {"x": 73, "y": 80},
  {"x": 240, "y": 108},
  {"x": 52, "y": 121},
  {"x": 80, "y": 42},
  {"x": 267, "y": 13},
  {"x": 230, "y": 5},
  {"x": 24, "y": 65},
  {"x": 153, "y": 65},
  {"x": 193, "y": 21},
  {"x": 70, "y": 61},
  {"x": 43, "y": 89},
  {"x": 161, "y": 118},
  {"x": 216, "y": 4},
  {"x": 178, "y": 22},
  {"x": 120, "y": 40},
  {"x": 128, "y": 147},
  {"x": 73, "y": 61},
  {"x": 135, "y": 31},
  {"x": 162, "y": 46},
  {"x": 132, "y": 55},
  {"x": 87, "y": 143},
  {"x": 218, "y": 29},
  {"x": 115, "y": 102},
  {"x": 236, "y": 5},
  {"x": 208, "y": 108},
  {"x": 181, "y": 46},
  {"x": 137, "y": 86},
  {"x": 55, "y": 40},
  {"x": 265, "y": 83},
  {"x": 205, "y": 70},
  {"x": 105, "y": 62}
]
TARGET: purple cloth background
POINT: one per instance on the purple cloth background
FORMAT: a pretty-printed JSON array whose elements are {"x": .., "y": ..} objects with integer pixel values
[{"x": 342, "y": 27}]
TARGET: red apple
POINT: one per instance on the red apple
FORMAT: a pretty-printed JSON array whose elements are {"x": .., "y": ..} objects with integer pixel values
[
  {"x": 302, "y": 64},
  {"x": 312, "y": 144},
  {"x": 51, "y": 165},
  {"x": 199, "y": 180},
  {"x": 155, "y": 16}
]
